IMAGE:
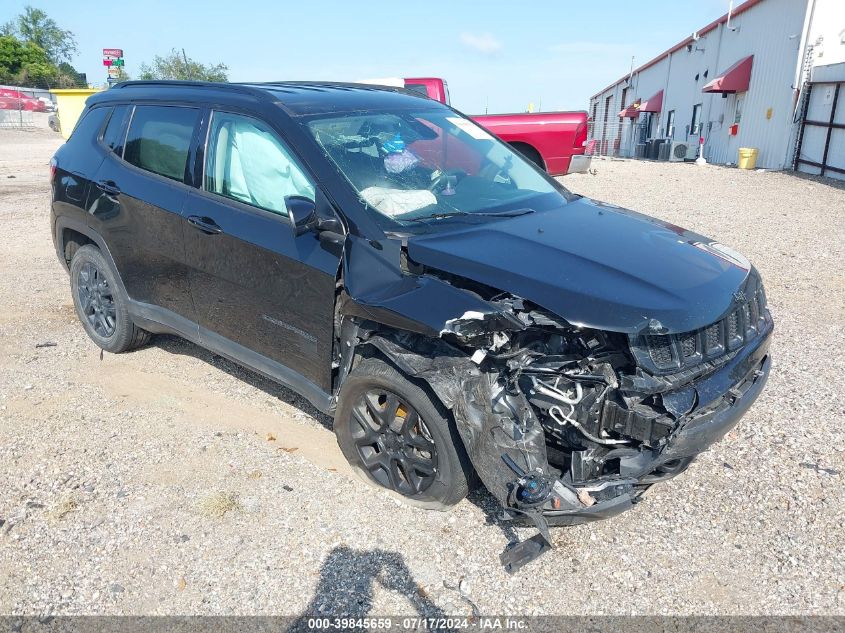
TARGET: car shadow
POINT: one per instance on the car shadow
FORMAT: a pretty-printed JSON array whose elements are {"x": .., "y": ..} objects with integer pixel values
[
  {"x": 481, "y": 498},
  {"x": 478, "y": 496},
  {"x": 177, "y": 345},
  {"x": 348, "y": 578}
]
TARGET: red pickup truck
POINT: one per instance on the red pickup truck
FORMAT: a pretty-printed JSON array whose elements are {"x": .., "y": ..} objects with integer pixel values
[{"x": 553, "y": 140}]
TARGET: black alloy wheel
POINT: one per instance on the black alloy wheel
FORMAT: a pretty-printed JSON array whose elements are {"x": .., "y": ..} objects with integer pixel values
[
  {"x": 96, "y": 300},
  {"x": 397, "y": 435},
  {"x": 393, "y": 442},
  {"x": 100, "y": 302}
]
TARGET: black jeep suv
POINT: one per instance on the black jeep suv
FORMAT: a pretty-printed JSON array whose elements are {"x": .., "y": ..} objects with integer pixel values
[{"x": 456, "y": 310}]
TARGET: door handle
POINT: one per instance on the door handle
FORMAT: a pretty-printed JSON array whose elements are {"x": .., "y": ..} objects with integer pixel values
[
  {"x": 108, "y": 187},
  {"x": 206, "y": 225}
]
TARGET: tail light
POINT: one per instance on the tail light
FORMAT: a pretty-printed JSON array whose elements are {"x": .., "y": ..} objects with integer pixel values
[
  {"x": 581, "y": 135},
  {"x": 52, "y": 169}
]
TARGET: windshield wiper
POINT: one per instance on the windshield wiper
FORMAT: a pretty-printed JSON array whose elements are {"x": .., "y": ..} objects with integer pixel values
[{"x": 451, "y": 214}]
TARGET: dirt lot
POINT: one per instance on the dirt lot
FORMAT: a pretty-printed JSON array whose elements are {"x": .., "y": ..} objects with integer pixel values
[{"x": 168, "y": 480}]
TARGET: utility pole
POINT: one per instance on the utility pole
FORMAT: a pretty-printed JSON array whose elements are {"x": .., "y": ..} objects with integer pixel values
[{"x": 187, "y": 68}]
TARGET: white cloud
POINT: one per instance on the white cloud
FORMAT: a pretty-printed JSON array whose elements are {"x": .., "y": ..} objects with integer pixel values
[{"x": 482, "y": 42}]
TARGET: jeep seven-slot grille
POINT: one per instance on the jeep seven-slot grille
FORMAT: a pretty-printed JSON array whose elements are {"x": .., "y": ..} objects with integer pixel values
[{"x": 670, "y": 353}]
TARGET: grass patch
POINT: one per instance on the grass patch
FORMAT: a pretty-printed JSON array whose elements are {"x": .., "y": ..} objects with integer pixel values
[{"x": 218, "y": 504}]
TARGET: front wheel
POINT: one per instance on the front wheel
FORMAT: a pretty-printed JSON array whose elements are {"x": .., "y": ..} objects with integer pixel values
[{"x": 398, "y": 437}]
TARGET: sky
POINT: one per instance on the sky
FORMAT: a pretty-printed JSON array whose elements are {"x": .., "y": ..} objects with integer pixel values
[{"x": 496, "y": 56}]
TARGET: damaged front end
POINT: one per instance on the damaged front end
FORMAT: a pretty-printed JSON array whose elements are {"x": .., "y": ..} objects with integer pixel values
[{"x": 567, "y": 424}]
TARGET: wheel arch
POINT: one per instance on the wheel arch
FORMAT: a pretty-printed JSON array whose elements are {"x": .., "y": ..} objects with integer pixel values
[
  {"x": 530, "y": 152},
  {"x": 398, "y": 348},
  {"x": 70, "y": 232}
]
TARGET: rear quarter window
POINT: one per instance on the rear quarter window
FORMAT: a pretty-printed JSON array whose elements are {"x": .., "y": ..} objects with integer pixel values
[
  {"x": 115, "y": 131},
  {"x": 88, "y": 126},
  {"x": 159, "y": 139}
]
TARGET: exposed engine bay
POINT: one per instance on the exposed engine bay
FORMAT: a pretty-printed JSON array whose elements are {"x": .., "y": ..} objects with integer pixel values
[{"x": 564, "y": 424}]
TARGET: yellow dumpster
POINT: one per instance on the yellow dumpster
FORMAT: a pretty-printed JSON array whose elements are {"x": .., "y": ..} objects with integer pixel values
[
  {"x": 747, "y": 157},
  {"x": 70, "y": 102}
]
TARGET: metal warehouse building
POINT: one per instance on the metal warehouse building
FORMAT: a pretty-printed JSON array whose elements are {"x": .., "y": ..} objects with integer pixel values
[{"x": 744, "y": 80}]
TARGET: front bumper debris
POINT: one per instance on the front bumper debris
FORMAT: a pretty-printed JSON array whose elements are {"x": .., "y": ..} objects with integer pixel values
[
  {"x": 724, "y": 397},
  {"x": 496, "y": 416}
]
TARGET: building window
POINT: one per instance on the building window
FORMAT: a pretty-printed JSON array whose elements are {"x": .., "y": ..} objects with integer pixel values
[
  {"x": 740, "y": 99},
  {"x": 695, "y": 125},
  {"x": 670, "y": 124}
]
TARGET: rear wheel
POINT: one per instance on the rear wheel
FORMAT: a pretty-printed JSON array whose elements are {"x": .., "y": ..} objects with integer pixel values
[
  {"x": 397, "y": 437},
  {"x": 100, "y": 304}
]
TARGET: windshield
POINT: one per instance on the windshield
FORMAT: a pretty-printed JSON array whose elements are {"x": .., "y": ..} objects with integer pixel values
[{"x": 423, "y": 168}]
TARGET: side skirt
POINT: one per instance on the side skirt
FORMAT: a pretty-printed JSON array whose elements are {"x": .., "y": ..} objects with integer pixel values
[{"x": 161, "y": 321}]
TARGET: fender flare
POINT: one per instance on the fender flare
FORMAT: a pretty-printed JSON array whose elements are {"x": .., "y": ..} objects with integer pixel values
[{"x": 63, "y": 223}]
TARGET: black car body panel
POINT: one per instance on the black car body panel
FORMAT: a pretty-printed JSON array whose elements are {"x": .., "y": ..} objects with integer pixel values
[
  {"x": 584, "y": 351},
  {"x": 595, "y": 265}
]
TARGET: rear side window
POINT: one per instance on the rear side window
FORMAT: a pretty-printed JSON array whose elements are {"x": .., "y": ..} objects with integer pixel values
[
  {"x": 89, "y": 125},
  {"x": 115, "y": 129},
  {"x": 159, "y": 139},
  {"x": 418, "y": 88}
]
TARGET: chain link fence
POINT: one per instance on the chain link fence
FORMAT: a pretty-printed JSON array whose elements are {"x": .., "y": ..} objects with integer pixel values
[{"x": 28, "y": 107}]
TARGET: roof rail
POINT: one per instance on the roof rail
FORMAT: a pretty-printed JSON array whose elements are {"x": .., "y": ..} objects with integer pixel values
[
  {"x": 174, "y": 83},
  {"x": 340, "y": 85}
]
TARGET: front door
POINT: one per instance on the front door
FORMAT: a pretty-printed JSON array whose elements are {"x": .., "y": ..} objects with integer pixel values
[{"x": 257, "y": 287}]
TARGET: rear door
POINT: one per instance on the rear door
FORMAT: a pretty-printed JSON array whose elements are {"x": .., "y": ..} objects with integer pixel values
[
  {"x": 257, "y": 287},
  {"x": 139, "y": 193}
]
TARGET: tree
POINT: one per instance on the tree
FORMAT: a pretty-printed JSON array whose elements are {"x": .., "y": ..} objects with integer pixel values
[
  {"x": 177, "y": 65},
  {"x": 25, "y": 64},
  {"x": 69, "y": 77},
  {"x": 36, "y": 27}
]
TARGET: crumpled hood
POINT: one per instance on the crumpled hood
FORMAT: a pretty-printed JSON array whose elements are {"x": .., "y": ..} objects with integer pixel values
[{"x": 596, "y": 265}]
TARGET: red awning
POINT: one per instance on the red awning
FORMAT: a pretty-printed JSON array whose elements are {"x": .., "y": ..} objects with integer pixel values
[
  {"x": 734, "y": 79},
  {"x": 654, "y": 104},
  {"x": 632, "y": 111}
]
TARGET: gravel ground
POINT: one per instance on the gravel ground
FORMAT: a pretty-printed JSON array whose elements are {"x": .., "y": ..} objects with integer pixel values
[{"x": 169, "y": 480}]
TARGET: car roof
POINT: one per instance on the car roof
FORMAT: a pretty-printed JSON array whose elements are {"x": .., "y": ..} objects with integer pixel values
[{"x": 299, "y": 98}]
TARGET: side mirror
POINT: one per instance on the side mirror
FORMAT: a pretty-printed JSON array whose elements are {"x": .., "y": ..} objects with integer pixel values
[
  {"x": 302, "y": 212},
  {"x": 329, "y": 225}
]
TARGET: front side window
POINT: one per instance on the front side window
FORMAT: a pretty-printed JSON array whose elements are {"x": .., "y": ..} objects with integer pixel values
[
  {"x": 417, "y": 167},
  {"x": 159, "y": 139},
  {"x": 247, "y": 162}
]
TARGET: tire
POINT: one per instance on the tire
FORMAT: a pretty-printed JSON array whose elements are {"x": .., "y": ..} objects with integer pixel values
[
  {"x": 413, "y": 450},
  {"x": 100, "y": 304}
]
